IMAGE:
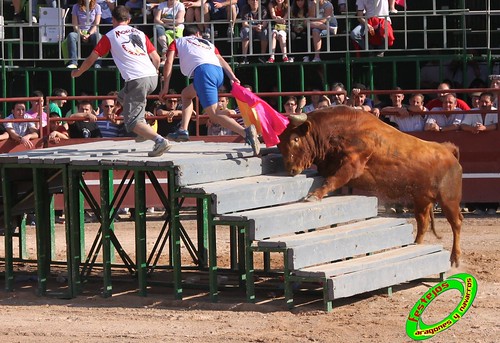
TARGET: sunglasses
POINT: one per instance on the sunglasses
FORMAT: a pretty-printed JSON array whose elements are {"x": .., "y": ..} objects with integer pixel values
[
  {"x": 290, "y": 104},
  {"x": 109, "y": 106}
]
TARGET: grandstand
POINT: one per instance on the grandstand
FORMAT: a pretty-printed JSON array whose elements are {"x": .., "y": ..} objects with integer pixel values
[{"x": 448, "y": 37}]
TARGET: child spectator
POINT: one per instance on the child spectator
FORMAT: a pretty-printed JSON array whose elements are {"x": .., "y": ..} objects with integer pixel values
[
  {"x": 57, "y": 129},
  {"x": 278, "y": 10}
]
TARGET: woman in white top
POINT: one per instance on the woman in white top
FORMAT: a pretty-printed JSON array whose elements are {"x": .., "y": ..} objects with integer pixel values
[{"x": 169, "y": 23}]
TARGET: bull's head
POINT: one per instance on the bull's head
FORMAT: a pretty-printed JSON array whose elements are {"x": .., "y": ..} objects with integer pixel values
[{"x": 294, "y": 145}]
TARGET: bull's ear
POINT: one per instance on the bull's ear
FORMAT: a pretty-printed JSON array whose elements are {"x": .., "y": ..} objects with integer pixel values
[{"x": 305, "y": 128}]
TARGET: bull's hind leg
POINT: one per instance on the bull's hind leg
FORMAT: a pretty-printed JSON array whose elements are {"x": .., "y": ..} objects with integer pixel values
[
  {"x": 422, "y": 215},
  {"x": 451, "y": 210}
]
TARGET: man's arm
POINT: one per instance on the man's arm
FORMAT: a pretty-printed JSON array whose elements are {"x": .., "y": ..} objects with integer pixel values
[
  {"x": 227, "y": 68},
  {"x": 167, "y": 74},
  {"x": 89, "y": 62},
  {"x": 155, "y": 58},
  {"x": 91, "y": 117}
]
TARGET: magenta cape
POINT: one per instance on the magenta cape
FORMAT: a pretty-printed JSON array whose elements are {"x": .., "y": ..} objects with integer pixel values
[{"x": 268, "y": 122}]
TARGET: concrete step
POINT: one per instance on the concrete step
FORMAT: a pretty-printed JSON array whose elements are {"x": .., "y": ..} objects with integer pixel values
[{"x": 302, "y": 216}]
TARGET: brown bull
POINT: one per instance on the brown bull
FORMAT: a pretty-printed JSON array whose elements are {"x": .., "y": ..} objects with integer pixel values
[{"x": 354, "y": 148}]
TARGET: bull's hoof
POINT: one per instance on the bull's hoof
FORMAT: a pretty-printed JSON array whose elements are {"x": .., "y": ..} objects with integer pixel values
[
  {"x": 454, "y": 260},
  {"x": 311, "y": 198}
]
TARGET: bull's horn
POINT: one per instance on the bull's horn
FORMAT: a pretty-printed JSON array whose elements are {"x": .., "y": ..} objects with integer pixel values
[{"x": 297, "y": 119}]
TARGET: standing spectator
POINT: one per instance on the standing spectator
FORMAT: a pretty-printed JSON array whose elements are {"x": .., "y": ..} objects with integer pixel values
[
  {"x": 169, "y": 23},
  {"x": 370, "y": 13},
  {"x": 477, "y": 123},
  {"x": 87, "y": 128},
  {"x": 254, "y": 18},
  {"x": 299, "y": 14},
  {"x": 21, "y": 132},
  {"x": 445, "y": 122},
  {"x": 111, "y": 127},
  {"x": 138, "y": 62},
  {"x": 85, "y": 27},
  {"x": 278, "y": 10},
  {"x": 323, "y": 24},
  {"x": 200, "y": 60}
]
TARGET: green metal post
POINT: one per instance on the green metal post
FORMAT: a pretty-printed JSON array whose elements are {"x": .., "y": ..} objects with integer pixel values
[
  {"x": 42, "y": 209},
  {"x": 175, "y": 243},
  {"x": 71, "y": 252},
  {"x": 140, "y": 230},
  {"x": 202, "y": 231},
  {"x": 7, "y": 210},
  {"x": 278, "y": 75},
  {"x": 106, "y": 180},
  {"x": 212, "y": 257},
  {"x": 73, "y": 223}
]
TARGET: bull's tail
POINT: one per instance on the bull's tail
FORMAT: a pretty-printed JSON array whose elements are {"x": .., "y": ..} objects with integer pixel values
[
  {"x": 453, "y": 149},
  {"x": 433, "y": 227}
]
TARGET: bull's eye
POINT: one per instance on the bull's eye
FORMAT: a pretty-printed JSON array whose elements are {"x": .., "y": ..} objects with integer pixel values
[{"x": 296, "y": 139}]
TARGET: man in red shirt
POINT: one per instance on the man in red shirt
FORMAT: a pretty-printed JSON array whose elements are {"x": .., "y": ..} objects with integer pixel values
[{"x": 438, "y": 102}]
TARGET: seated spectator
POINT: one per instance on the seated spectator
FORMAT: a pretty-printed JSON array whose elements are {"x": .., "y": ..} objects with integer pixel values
[
  {"x": 314, "y": 101},
  {"x": 85, "y": 27},
  {"x": 485, "y": 121},
  {"x": 222, "y": 110},
  {"x": 21, "y": 132},
  {"x": 250, "y": 17},
  {"x": 323, "y": 24},
  {"x": 169, "y": 23},
  {"x": 56, "y": 105},
  {"x": 107, "y": 7},
  {"x": 324, "y": 102},
  {"x": 398, "y": 116},
  {"x": 474, "y": 99},
  {"x": 340, "y": 98},
  {"x": 374, "y": 17},
  {"x": 445, "y": 122},
  {"x": 4, "y": 135},
  {"x": 87, "y": 128},
  {"x": 495, "y": 83},
  {"x": 439, "y": 101},
  {"x": 58, "y": 131},
  {"x": 111, "y": 127},
  {"x": 291, "y": 106},
  {"x": 299, "y": 13},
  {"x": 278, "y": 11},
  {"x": 35, "y": 108}
]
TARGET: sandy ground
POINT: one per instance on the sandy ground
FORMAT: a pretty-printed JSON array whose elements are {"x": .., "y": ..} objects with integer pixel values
[{"x": 127, "y": 317}]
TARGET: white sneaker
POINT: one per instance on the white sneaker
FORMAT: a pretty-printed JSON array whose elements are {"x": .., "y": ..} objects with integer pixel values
[
  {"x": 305, "y": 59},
  {"x": 34, "y": 20},
  {"x": 72, "y": 66},
  {"x": 159, "y": 148},
  {"x": 151, "y": 210}
]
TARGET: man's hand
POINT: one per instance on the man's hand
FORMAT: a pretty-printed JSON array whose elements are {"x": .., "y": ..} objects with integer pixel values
[{"x": 76, "y": 73}]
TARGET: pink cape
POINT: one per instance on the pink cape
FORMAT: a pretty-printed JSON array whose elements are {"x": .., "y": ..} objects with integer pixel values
[{"x": 268, "y": 122}]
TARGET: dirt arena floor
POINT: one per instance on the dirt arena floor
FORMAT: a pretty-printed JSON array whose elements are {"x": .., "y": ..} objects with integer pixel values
[{"x": 127, "y": 317}]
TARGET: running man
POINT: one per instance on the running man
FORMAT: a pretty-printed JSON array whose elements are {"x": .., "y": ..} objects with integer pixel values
[
  {"x": 138, "y": 62},
  {"x": 200, "y": 60}
]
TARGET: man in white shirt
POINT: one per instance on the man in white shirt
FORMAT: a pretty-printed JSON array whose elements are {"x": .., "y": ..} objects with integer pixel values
[
  {"x": 485, "y": 121},
  {"x": 200, "y": 60},
  {"x": 138, "y": 62}
]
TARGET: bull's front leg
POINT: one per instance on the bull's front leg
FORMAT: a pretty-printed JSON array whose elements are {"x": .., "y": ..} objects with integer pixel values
[{"x": 339, "y": 179}]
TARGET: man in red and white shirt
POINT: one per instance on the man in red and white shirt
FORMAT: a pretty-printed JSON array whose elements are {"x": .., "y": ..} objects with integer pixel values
[
  {"x": 200, "y": 60},
  {"x": 138, "y": 62}
]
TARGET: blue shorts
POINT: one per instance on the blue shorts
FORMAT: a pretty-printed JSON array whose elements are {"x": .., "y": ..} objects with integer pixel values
[{"x": 207, "y": 79}]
